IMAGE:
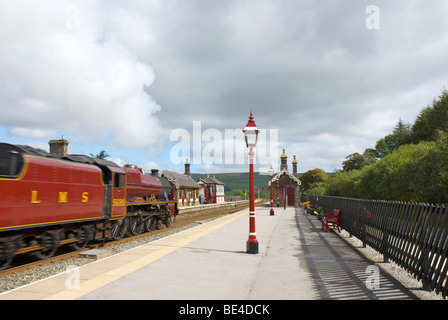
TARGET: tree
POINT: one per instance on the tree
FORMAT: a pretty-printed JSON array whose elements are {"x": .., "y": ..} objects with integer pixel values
[
  {"x": 353, "y": 161},
  {"x": 442, "y": 145},
  {"x": 313, "y": 178},
  {"x": 439, "y": 117},
  {"x": 369, "y": 156},
  {"x": 343, "y": 184},
  {"x": 431, "y": 120},
  {"x": 421, "y": 130},
  {"x": 384, "y": 146},
  {"x": 412, "y": 165},
  {"x": 356, "y": 161},
  {"x": 413, "y": 172},
  {"x": 102, "y": 155},
  {"x": 401, "y": 135},
  {"x": 241, "y": 193}
]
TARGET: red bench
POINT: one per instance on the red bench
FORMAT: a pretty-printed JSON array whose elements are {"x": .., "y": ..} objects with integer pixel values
[{"x": 331, "y": 220}]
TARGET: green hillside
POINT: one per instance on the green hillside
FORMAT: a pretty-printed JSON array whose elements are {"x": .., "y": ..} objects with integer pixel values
[{"x": 237, "y": 181}]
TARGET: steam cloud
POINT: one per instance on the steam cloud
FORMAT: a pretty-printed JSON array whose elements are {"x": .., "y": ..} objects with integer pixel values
[{"x": 67, "y": 67}]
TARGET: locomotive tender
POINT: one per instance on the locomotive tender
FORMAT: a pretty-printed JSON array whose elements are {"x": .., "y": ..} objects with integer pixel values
[{"x": 46, "y": 201}]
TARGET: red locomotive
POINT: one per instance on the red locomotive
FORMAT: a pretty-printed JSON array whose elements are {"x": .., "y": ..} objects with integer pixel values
[{"x": 46, "y": 202}]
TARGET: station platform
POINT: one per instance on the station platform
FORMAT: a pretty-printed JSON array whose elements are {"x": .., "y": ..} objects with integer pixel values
[{"x": 296, "y": 261}]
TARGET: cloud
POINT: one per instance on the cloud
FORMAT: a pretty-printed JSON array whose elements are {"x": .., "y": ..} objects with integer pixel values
[
  {"x": 63, "y": 69},
  {"x": 32, "y": 133},
  {"x": 311, "y": 70},
  {"x": 306, "y": 69}
]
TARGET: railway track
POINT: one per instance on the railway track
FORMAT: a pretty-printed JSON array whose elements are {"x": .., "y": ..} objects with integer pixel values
[{"x": 180, "y": 221}]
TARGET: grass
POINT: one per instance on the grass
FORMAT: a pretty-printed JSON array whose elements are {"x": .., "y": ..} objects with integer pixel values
[{"x": 237, "y": 181}]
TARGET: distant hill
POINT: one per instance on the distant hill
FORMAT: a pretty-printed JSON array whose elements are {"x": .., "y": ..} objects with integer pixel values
[{"x": 237, "y": 181}]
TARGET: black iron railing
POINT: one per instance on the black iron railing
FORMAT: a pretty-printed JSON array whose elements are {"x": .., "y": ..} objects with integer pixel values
[{"x": 413, "y": 235}]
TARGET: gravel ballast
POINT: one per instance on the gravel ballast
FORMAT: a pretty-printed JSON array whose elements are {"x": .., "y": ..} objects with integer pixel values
[{"x": 25, "y": 277}]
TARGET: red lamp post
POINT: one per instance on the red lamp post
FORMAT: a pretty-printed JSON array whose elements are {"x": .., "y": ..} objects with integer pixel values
[
  {"x": 251, "y": 136},
  {"x": 271, "y": 174},
  {"x": 278, "y": 196}
]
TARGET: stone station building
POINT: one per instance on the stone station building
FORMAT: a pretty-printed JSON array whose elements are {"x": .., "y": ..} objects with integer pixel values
[
  {"x": 286, "y": 185},
  {"x": 187, "y": 190}
]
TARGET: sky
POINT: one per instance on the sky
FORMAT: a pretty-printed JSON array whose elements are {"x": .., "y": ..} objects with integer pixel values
[{"x": 155, "y": 82}]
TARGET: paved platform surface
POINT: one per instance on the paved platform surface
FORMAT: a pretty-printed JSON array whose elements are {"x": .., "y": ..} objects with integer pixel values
[{"x": 296, "y": 260}]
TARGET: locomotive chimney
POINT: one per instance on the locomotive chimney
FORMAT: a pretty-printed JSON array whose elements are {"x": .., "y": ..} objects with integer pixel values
[
  {"x": 187, "y": 168},
  {"x": 155, "y": 172},
  {"x": 59, "y": 147}
]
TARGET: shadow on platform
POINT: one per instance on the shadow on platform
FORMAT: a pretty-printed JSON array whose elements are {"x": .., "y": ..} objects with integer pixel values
[{"x": 339, "y": 271}]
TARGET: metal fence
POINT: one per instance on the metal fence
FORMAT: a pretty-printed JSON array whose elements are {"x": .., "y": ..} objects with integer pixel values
[{"x": 413, "y": 235}]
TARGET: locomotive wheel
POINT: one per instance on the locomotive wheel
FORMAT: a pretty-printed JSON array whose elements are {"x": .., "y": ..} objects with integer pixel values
[
  {"x": 159, "y": 224},
  {"x": 43, "y": 254},
  {"x": 119, "y": 229},
  {"x": 168, "y": 222},
  {"x": 149, "y": 224},
  {"x": 7, "y": 248},
  {"x": 84, "y": 237},
  {"x": 135, "y": 226},
  {"x": 49, "y": 241},
  {"x": 79, "y": 245},
  {"x": 4, "y": 263}
]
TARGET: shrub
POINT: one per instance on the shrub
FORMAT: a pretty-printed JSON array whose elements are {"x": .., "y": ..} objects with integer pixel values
[{"x": 410, "y": 173}]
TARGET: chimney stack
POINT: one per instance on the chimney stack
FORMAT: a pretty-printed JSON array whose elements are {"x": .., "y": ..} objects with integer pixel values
[
  {"x": 283, "y": 161},
  {"x": 294, "y": 167},
  {"x": 187, "y": 168},
  {"x": 59, "y": 147}
]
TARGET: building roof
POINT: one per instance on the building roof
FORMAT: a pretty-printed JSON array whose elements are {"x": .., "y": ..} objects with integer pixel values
[
  {"x": 180, "y": 180},
  {"x": 210, "y": 180},
  {"x": 288, "y": 174}
]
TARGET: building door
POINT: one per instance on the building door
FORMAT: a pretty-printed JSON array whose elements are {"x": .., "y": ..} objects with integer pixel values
[{"x": 290, "y": 192}]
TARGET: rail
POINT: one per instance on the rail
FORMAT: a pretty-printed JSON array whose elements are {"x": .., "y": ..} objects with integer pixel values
[
  {"x": 191, "y": 215},
  {"x": 413, "y": 235}
]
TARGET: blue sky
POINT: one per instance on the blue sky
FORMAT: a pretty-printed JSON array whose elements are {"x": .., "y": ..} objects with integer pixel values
[{"x": 331, "y": 78}]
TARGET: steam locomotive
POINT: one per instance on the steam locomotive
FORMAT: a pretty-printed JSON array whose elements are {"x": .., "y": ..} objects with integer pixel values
[{"x": 47, "y": 201}]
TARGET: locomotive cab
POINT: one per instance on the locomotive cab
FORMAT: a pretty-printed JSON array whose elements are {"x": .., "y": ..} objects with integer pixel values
[
  {"x": 11, "y": 161},
  {"x": 117, "y": 192},
  {"x": 114, "y": 180}
]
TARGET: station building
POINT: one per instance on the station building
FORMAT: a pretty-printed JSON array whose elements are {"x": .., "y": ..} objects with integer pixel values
[
  {"x": 213, "y": 190},
  {"x": 286, "y": 185},
  {"x": 187, "y": 190}
]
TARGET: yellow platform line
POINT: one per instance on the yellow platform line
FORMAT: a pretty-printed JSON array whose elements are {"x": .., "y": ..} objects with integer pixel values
[{"x": 185, "y": 238}]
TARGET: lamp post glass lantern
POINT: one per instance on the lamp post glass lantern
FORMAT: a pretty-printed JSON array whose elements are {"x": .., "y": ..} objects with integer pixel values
[
  {"x": 251, "y": 136},
  {"x": 271, "y": 174}
]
